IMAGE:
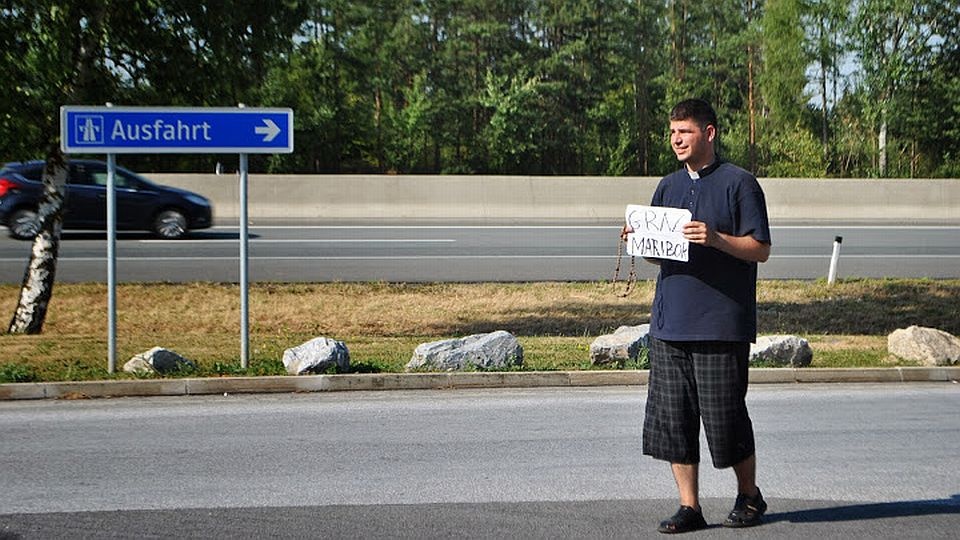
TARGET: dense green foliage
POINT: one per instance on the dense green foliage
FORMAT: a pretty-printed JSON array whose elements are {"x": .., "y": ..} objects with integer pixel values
[{"x": 804, "y": 87}]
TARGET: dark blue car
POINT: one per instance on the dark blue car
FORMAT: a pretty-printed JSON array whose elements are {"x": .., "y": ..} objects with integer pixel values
[{"x": 141, "y": 205}]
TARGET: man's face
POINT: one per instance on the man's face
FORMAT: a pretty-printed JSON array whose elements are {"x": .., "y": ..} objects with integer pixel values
[{"x": 692, "y": 144}]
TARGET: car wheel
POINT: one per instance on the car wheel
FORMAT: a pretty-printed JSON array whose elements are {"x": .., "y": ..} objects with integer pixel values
[
  {"x": 170, "y": 224},
  {"x": 24, "y": 224}
]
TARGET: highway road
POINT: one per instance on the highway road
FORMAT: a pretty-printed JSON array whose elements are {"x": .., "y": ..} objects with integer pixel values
[
  {"x": 468, "y": 253},
  {"x": 835, "y": 461}
]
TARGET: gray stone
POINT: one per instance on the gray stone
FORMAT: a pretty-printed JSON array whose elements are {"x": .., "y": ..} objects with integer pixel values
[
  {"x": 158, "y": 360},
  {"x": 316, "y": 356},
  {"x": 782, "y": 350},
  {"x": 929, "y": 346},
  {"x": 495, "y": 350},
  {"x": 623, "y": 344}
]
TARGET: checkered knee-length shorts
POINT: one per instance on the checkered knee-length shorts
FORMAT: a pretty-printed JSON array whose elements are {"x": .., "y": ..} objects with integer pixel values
[{"x": 690, "y": 381}]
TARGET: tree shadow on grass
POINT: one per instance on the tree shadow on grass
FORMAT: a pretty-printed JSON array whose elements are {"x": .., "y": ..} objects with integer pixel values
[
  {"x": 869, "y": 307},
  {"x": 561, "y": 318},
  {"x": 872, "y": 308},
  {"x": 878, "y": 311}
]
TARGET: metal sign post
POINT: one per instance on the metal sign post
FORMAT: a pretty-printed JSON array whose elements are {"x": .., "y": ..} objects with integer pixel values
[
  {"x": 244, "y": 266},
  {"x": 175, "y": 130},
  {"x": 111, "y": 263}
]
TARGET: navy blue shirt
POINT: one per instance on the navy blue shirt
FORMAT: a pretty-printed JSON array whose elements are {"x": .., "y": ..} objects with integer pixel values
[{"x": 713, "y": 296}]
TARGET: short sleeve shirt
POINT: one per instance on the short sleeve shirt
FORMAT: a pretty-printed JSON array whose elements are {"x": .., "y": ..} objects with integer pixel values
[{"x": 713, "y": 296}]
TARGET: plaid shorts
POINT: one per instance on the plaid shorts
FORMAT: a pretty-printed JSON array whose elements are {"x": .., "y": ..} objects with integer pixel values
[{"x": 690, "y": 381}]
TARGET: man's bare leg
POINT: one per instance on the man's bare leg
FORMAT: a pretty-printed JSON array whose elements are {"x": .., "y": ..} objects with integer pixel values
[
  {"x": 687, "y": 477},
  {"x": 689, "y": 517},
  {"x": 746, "y": 472}
]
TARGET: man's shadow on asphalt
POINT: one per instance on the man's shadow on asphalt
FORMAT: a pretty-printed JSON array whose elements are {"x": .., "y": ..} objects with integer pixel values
[{"x": 859, "y": 512}]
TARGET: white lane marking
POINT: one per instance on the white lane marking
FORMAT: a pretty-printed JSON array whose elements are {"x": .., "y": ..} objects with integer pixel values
[
  {"x": 874, "y": 256},
  {"x": 871, "y": 227},
  {"x": 419, "y": 227},
  {"x": 303, "y": 241},
  {"x": 586, "y": 227},
  {"x": 334, "y": 258},
  {"x": 454, "y": 257}
]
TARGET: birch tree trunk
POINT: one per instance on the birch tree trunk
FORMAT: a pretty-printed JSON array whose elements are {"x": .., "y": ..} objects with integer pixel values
[
  {"x": 882, "y": 147},
  {"x": 37, "y": 287}
]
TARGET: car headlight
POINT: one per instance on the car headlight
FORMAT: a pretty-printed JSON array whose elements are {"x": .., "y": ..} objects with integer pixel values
[{"x": 197, "y": 200}]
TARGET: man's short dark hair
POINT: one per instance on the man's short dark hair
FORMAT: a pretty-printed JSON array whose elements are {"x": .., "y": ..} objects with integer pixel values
[{"x": 697, "y": 110}]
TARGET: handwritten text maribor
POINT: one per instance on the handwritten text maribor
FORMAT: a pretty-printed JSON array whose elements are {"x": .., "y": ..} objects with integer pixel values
[{"x": 658, "y": 232}]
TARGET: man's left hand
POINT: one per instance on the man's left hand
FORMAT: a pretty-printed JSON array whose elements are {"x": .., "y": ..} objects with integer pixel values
[
  {"x": 697, "y": 232},
  {"x": 742, "y": 247}
]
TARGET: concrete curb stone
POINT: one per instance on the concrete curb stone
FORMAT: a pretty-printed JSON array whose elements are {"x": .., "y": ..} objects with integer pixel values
[{"x": 437, "y": 381}]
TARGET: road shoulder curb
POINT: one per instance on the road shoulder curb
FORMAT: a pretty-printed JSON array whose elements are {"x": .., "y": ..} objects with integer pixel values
[{"x": 442, "y": 381}]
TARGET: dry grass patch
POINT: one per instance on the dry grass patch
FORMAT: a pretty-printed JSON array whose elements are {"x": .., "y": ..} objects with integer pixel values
[{"x": 443, "y": 309}]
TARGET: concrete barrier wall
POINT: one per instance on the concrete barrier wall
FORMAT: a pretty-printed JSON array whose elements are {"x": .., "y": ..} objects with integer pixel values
[{"x": 481, "y": 199}]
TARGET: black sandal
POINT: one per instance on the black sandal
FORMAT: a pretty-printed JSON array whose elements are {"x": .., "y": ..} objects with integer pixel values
[
  {"x": 747, "y": 511},
  {"x": 685, "y": 520}
]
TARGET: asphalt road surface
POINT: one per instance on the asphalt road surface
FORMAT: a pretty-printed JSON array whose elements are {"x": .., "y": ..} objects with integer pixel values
[
  {"x": 303, "y": 253},
  {"x": 835, "y": 461}
]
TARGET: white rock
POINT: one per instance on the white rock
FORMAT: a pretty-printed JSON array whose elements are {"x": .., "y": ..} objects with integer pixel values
[
  {"x": 138, "y": 364},
  {"x": 930, "y": 346},
  {"x": 782, "y": 350},
  {"x": 316, "y": 356},
  {"x": 485, "y": 351},
  {"x": 622, "y": 345}
]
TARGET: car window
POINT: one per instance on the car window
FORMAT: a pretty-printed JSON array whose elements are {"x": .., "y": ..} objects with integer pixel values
[
  {"x": 99, "y": 178},
  {"x": 126, "y": 180},
  {"x": 120, "y": 179},
  {"x": 80, "y": 175},
  {"x": 96, "y": 175},
  {"x": 33, "y": 171}
]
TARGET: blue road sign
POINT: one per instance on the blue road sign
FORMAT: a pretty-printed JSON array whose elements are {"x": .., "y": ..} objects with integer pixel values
[{"x": 175, "y": 130}]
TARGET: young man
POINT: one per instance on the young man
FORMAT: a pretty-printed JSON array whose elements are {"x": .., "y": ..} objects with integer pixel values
[{"x": 703, "y": 320}]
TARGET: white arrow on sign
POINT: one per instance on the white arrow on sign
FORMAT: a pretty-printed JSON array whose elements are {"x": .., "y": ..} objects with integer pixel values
[{"x": 271, "y": 130}]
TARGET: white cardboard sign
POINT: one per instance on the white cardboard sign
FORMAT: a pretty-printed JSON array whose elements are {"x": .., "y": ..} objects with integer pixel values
[{"x": 658, "y": 232}]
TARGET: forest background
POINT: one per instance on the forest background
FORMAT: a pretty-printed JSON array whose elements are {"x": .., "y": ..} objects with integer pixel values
[{"x": 804, "y": 88}]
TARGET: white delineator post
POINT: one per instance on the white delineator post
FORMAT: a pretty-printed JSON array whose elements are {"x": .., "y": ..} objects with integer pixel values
[{"x": 834, "y": 259}]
